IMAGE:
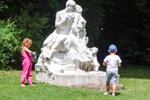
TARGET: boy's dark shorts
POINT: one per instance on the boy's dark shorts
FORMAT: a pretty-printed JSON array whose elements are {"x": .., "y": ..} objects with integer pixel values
[{"x": 112, "y": 76}]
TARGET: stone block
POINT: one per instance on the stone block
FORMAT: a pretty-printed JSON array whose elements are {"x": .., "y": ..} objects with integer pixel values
[{"x": 91, "y": 80}]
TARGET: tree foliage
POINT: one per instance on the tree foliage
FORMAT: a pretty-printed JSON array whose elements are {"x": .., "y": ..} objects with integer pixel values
[
  {"x": 127, "y": 25},
  {"x": 9, "y": 43},
  {"x": 27, "y": 22},
  {"x": 123, "y": 22}
]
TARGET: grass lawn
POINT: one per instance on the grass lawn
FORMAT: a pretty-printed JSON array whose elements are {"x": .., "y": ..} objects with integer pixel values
[{"x": 136, "y": 80}]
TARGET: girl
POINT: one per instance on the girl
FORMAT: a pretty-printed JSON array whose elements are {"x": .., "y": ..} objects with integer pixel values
[{"x": 26, "y": 62}]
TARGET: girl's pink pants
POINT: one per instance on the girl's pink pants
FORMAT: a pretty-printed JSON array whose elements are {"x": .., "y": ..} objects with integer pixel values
[{"x": 26, "y": 72}]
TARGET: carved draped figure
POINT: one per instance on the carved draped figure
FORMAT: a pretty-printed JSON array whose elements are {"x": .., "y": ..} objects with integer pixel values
[{"x": 65, "y": 48}]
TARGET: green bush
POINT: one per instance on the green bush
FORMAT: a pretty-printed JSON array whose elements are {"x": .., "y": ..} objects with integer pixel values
[
  {"x": 14, "y": 30},
  {"x": 9, "y": 43},
  {"x": 33, "y": 26}
]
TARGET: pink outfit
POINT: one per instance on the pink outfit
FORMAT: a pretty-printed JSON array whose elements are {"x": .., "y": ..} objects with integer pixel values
[{"x": 26, "y": 67}]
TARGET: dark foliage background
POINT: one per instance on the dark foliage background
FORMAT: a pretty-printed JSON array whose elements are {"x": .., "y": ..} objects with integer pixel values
[{"x": 125, "y": 23}]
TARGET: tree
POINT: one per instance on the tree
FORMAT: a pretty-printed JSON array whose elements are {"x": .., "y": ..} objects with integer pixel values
[
  {"x": 126, "y": 24},
  {"x": 9, "y": 43}
]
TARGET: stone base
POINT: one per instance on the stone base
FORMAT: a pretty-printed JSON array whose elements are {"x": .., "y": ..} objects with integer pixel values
[{"x": 92, "y": 80}]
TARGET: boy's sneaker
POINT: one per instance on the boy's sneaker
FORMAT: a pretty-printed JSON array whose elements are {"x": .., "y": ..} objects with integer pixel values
[{"x": 106, "y": 93}]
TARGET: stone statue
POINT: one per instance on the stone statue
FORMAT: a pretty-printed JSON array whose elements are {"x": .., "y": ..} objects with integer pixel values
[{"x": 65, "y": 49}]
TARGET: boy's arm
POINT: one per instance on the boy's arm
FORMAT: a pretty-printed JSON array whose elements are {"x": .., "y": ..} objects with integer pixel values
[
  {"x": 104, "y": 64},
  {"x": 119, "y": 62},
  {"x": 119, "y": 65}
]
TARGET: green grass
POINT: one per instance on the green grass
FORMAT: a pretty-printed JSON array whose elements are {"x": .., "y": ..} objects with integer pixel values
[{"x": 135, "y": 79}]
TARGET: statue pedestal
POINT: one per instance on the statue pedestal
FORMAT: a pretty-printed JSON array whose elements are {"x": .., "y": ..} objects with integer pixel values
[{"x": 92, "y": 80}]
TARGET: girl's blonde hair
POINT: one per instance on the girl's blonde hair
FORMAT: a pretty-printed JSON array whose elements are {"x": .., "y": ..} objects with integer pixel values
[{"x": 26, "y": 41}]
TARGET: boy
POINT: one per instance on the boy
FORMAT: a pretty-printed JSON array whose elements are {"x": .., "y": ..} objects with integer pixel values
[{"x": 112, "y": 62}]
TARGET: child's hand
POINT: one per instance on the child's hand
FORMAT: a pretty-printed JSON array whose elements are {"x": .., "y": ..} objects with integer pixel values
[
  {"x": 34, "y": 55},
  {"x": 104, "y": 64},
  {"x": 33, "y": 52}
]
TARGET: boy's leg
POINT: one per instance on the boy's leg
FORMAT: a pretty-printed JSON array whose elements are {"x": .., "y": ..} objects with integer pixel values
[
  {"x": 113, "y": 89},
  {"x": 114, "y": 82},
  {"x": 108, "y": 78},
  {"x": 107, "y": 87}
]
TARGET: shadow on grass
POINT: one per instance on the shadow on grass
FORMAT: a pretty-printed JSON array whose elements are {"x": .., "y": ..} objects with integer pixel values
[{"x": 117, "y": 94}]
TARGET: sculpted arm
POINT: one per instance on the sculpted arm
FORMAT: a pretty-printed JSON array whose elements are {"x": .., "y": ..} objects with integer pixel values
[{"x": 60, "y": 19}]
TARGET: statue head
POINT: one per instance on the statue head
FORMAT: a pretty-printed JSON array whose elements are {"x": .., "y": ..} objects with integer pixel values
[
  {"x": 79, "y": 9},
  {"x": 70, "y": 5}
]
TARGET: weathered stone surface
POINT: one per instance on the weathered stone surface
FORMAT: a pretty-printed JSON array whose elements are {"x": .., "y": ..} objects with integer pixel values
[
  {"x": 65, "y": 49},
  {"x": 93, "y": 80},
  {"x": 65, "y": 58}
]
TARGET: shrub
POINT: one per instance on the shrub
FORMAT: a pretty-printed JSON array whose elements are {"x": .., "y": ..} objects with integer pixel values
[{"x": 9, "y": 43}]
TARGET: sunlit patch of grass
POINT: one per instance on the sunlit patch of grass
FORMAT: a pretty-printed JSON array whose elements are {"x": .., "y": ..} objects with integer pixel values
[{"x": 136, "y": 81}]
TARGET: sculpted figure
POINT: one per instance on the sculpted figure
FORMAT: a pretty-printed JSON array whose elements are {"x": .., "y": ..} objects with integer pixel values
[
  {"x": 79, "y": 25},
  {"x": 65, "y": 49},
  {"x": 63, "y": 22}
]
